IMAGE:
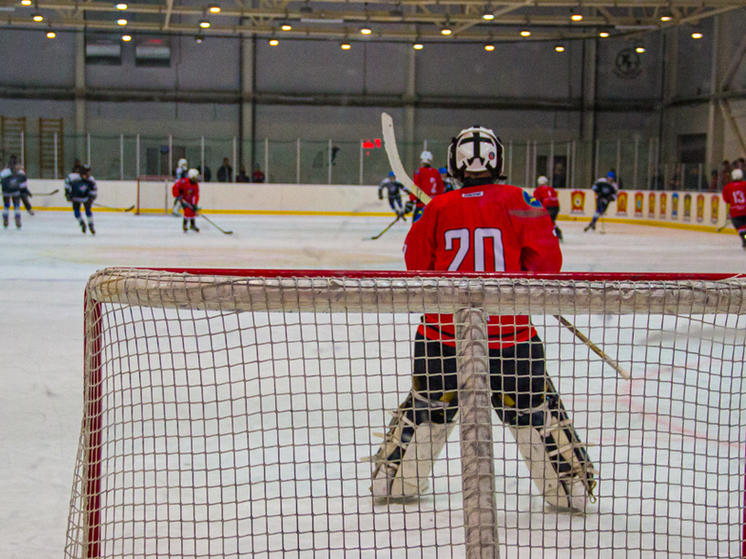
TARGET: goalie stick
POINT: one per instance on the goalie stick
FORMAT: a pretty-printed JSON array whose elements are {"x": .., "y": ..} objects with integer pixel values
[
  {"x": 392, "y": 152},
  {"x": 723, "y": 226},
  {"x": 129, "y": 209},
  {"x": 593, "y": 347}
]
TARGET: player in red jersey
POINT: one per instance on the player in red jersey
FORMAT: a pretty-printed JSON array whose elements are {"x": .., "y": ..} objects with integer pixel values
[
  {"x": 483, "y": 227},
  {"x": 734, "y": 194},
  {"x": 428, "y": 180},
  {"x": 186, "y": 191},
  {"x": 548, "y": 198}
]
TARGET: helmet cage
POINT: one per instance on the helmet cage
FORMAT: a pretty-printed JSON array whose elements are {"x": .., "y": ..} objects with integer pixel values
[{"x": 475, "y": 150}]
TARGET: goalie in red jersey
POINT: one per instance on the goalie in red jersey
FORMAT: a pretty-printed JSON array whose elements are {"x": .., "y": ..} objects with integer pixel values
[
  {"x": 483, "y": 227},
  {"x": 186, "y": 192}
]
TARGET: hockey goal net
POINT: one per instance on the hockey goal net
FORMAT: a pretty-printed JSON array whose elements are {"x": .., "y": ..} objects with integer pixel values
[
  {"x": 154, "y": 194},
  {"x": 228, "y": 413}
]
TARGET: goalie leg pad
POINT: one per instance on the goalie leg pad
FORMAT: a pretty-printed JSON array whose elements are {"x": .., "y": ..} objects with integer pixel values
[
  {"x": 557, "y": 458},
  {"x": 405, "y": 460}
]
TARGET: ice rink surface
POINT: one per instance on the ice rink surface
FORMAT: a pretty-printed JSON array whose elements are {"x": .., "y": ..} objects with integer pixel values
[{"x": 46, "y": 265}]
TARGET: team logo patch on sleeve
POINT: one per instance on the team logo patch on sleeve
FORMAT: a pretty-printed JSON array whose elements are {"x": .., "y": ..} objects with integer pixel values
[{"x": 530, "y": 200}]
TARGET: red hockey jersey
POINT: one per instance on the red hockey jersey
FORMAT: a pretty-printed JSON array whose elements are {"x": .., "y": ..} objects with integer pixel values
[
  {"x": 483, "y": 228},
  {"x": 429, "y": 181},
  {"x": 547, "y": 196},
  {"x": 734, "y": 194},
  {"x": 189, "y": 192}
]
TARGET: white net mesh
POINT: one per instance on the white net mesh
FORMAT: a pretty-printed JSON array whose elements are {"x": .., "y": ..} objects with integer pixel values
[{"x": 229, "y": 416}]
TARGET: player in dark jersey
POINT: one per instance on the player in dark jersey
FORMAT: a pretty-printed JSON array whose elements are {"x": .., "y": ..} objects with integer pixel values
[
  {"x": 734, "y": 194},
  {"x": 80, "y": 188},
  {"x": 393, "y": 190},
  {"x": 547, "y": 195},
  {"x": 13, "y": 181},
  {"x": 483, "y": 227},
  {"x": 605, "y": 189}
]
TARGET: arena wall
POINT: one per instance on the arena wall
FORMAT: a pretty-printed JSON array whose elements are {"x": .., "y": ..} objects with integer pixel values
[{"x": 692, "y": 210}]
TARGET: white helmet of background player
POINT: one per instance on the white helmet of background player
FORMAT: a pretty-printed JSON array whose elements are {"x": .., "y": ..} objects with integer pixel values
[
  {"x": 542, "y": 180},
  {"x": 475, "y": 150},
  {"x": 426, "y": 157},
  {"x": 193, "y": 175},
  {"x": 182, "y": 163},
  {"x": 736, "y": 174}
]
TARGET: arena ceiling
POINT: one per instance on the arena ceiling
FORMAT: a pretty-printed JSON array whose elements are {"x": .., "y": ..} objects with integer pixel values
[{"x": 405, "y": 20}]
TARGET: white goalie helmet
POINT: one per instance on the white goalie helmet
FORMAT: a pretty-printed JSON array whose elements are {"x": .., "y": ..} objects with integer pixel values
[
  {"x": 182, "y": 163},
  {"x": 475, "y": 150},
  {"x": 542, "y": 180},
  {"x": 736, "y": 174},
  {"x": 192, "y": 174},
  {"x": 426, "y": 157}
]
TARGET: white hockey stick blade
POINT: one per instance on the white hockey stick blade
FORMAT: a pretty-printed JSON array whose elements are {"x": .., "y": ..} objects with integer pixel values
[{"x": 392, "y": 152}]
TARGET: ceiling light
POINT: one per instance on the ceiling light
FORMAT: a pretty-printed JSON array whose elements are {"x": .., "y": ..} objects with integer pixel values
[
  {"x": 365, "y": 30},
  {"x": 446, "y": 31},
  {"x": 418, "y": 46},
  {"x": 204, "y": 24},
  {"x": 345, "y": 45},
  {"x": 559, "y": 48},
  {"x": 286, "y": 27},
  {"x": 489, "y": 47},
  {"x": 603, "y": 34},
  {"x": 38, "y": 18},
  {"x": 26, "y": 2},
  {"x": 121, "y": 6},
  {"x": 51, "y": 34},
  {"x": 126, "y": 37},
  {"x": 666, "y": 17},
  {"x": 697, "y": 35},
  {"x": 525, "y": 33},
  {"x": 273, "y": 42},
  {"x": 121, "y": 21},
  {"x": 576, "y": 17},
  {"x": 214, "y": 9},
  {"x": 488, "y": 16},
  {"x": 639, "y": 49}
]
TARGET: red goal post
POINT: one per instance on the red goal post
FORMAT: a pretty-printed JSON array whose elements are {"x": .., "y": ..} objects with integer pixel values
[
  {"x": 227, "y": 414},
  {"x": 154, "y": 194}
]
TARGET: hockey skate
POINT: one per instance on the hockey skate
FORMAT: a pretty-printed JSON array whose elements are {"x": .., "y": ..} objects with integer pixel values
[
  {"x": 193, "y": 226},
  {"x": 91, "y": 229},
  {"x": 5, "y": 221},
  {"x": 184, "y": 225},
  {"x": 31, "y": 212},
  {"x": 82, "y": 226},
  {"x": 18, "y": 221},
  {"x": 590, "y": 226}
]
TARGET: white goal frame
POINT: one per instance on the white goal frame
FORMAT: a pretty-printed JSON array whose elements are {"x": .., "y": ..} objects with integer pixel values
[
  {"x": 471, "y": 297},
  {"x": 153, "y": 194}
]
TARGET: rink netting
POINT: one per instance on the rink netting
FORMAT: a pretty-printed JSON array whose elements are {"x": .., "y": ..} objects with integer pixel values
[{"x": 232, "y": 415}]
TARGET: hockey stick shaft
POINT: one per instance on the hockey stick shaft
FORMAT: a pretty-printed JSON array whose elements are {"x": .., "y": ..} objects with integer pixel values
[
  {"x": 55, "y": 191},
  {"x": 215, "y": 225},
  {"x": 593, "y": 347},
  {"x": 389, "y": 226},
  {"x": 392, "y": 152},
  {"x": 129, "y": 209}
]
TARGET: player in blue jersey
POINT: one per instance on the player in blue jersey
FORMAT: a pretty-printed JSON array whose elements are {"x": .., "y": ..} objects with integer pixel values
[
  {"x": 13, "y": 181},
  {"x": 80, "y": 188},
  {"x": 605, "y": 189},
  {"x": 393, "y": 189}
]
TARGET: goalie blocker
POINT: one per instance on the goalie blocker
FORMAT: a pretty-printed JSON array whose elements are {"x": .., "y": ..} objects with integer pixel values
[{"x": 525, "y": 400}]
